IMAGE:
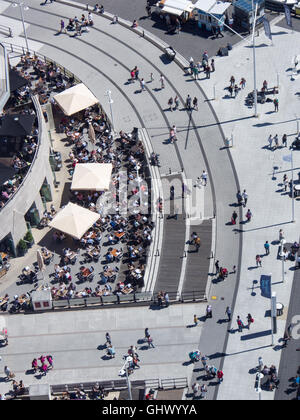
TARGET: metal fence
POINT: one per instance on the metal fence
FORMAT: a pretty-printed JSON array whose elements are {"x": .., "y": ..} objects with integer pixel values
[
  {"x": 6, "y": 30},
  {"x": 133, "y": 298},
  {"x": 119, "y": 385}
]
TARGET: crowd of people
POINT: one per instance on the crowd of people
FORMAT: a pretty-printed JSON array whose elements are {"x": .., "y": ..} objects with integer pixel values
[{"x": 42, "y": 78}]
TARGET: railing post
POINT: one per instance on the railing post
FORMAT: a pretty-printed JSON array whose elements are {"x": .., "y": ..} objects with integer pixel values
[{"x": 10, "y": 33}]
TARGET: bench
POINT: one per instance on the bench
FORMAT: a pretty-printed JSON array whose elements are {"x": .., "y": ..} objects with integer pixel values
[
  {"x": 60, "y": 303},
  {"x": 77, "y": 301},
  {"x": 126, "y": 298},
  {"x": 93, "y": 300},
  {"x": 109, "y": 299},
  {"x": 143, "y": 296}
]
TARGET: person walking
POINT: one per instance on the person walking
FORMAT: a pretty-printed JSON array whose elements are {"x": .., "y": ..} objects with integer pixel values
[
  {"x": 284, "y": 140},
  {"x": 151, "y": 77},
  {"x": 142, "y": 84},
  {"x": 239, "y": 324},
  {"x": 167, "y": 299},
  {"x": 176, "y": 102},
  {"x": 147, "y": 334},
  {"x": 285, "y": 182},
  {"x": 172, "y": 137},
  {"x": 239, "y": 197},
  {"x": 220, "y": 375},
  {"x": 62, "y": 27},
  {"x": 195, "y": 103},
  {"x": 170, "y": 103},
  {"x": 267, "y": 247},
  {"x": 162, "y": 81},
  {"x": 50, "y": 361},
  {"x": 248, "y": 215},
  {"x": 281, "y": 235},
  {"x": 270, "y": 141},
  {"x": 204, "y": 359},
  {"x": 245, "y": 198},
  {"x": 208, "y": 311},
  {"x": 217, "y": 267},
  {"x": 108, "y": 338},
  {"x": 196, "y": 389},
  {"x": 188, "y": 102},
  {"x": 258, "y": 260},
  {"x": 228, "y": 313},
  {"x": 195, "y": 72},
  {"x": 197, "y": 243},
  {"x": 250, "y": 320},
  {"x": 276, "y": 105},
  {"x": 243, "y": 82},
  {"x": 234, "y": 217},
  {"x": 195, "y": 320},
  {"x": 136, "y": 73},
  {"x": 207, "y": 72},
  {"x": 204, "y": 178},
  {"x": 150, "y": 342},
  {"x": 232, "y": 81},
  {"x": 276, "y": 141},
  {"x": 203, "y": 390},
  {"x": 8, "y": 373},
  {"x": 212, "y": 65}
]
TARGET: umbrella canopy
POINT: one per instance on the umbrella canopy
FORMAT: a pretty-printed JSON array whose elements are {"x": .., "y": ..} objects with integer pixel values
[
  {"x": 92, "y": 135},
  {"x": 40, "y": 260},
  {"x": 16, "y": 81},
  {"x": 16, "y": 125},
  {"x": 92, "y": 176},
  {"x": 74, "y": 220},
  {"x": 75, "y": 99}
]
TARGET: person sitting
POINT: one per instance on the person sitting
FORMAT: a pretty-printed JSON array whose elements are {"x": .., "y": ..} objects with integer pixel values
[{"x": 134, "y": 24}]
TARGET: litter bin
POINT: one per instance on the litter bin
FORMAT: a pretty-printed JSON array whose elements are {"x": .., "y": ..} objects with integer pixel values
[{"x": 170, "y": 53}]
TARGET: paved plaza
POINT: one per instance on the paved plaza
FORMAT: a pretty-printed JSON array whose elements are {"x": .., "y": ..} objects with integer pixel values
[{"x": 102, "y": 59}]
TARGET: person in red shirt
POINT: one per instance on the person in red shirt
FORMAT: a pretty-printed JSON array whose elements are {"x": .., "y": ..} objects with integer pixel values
[{"x": 220, "y": 375}]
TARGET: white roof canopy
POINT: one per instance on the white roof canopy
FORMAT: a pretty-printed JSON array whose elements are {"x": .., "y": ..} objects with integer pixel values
[
  {"x": 92, "y": 176},
  {"x": 74, "y": 220},
  {"x": 212, "y": 6},
  {"x": 176, "y": 7},
  {"x": 75, "y": 99}
]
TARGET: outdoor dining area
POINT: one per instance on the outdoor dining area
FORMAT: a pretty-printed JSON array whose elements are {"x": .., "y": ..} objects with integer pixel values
[{"x": 96, "y": 243}]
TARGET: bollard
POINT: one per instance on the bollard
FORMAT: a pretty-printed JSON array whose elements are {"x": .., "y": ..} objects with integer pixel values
[{"x": 10, "y": 33}]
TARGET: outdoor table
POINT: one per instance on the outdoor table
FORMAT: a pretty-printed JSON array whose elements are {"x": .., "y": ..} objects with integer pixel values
[
  {"x": 279, "y": 308},
  {"x": 119, "y": 235},
  {"x": 114, "y": 252},
  {"x": 86, "y": 272}
]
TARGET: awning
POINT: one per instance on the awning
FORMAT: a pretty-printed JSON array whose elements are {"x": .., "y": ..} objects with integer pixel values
[
  {"x": 75, "y": 99},
  {"x": 16, "y": 125},
  {"x": 176, "y": 7},
  {"x": 92, "y": 176},
  {"x": 16, "y": 81},
  {"x": 74, "y": 220},
  {"x": 214, "y": 7}
]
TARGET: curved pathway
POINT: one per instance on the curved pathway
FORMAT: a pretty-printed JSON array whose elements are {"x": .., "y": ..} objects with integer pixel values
[{"x": 102, "y": 59}]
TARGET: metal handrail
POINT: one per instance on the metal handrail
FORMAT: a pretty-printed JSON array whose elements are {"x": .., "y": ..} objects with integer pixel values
[
  {"x": 119, "y": 384},
  {"x": 23, "y": 51},
  {"x": 6, "y": 28},
  {"x": 194, "y": 295}
]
